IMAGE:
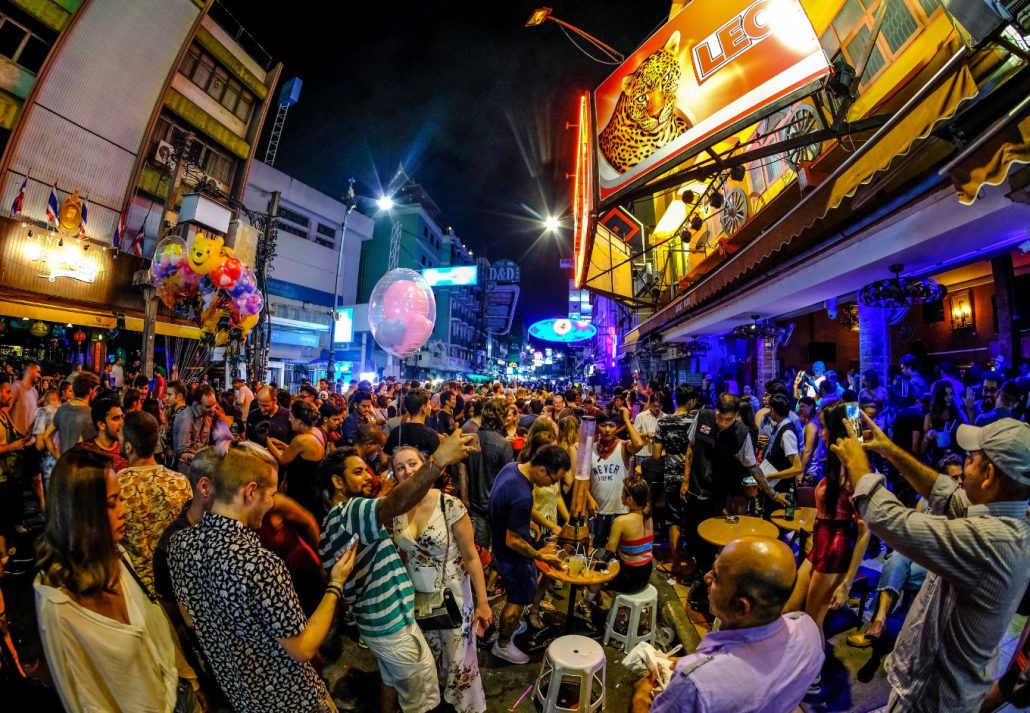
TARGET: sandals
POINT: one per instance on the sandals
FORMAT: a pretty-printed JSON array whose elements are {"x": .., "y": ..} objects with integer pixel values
[{"x": 865, "y": 639}]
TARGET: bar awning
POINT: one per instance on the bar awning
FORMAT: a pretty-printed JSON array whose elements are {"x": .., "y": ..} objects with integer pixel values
[
  {"x": 990, "y": 162},
  {"x": 82, "y": 317},
  {"x": 835, "y": 196}
]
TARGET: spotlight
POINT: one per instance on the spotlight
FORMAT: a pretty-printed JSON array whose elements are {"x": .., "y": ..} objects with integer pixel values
[
  {"x": 385, "y": 203},
  {"x": 737, "y": 173},
  {"x": 688, "y": 196},
  {"x": 552, "y": 224},
  {"x": 696, "y": 223},
  {"x": 715, "y": 200}
]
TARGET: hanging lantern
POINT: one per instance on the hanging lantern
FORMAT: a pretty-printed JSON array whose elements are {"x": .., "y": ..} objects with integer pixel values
[
  {"x": 39, "y": 329},
  {"x": 79, "y": 336}
]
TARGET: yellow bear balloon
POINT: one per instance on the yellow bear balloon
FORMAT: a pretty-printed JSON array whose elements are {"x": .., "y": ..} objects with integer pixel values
[{"x": 207, "y": 253}]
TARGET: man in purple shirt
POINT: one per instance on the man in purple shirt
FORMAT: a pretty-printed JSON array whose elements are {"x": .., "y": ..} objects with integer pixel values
[{"x": 777, "y": 656}]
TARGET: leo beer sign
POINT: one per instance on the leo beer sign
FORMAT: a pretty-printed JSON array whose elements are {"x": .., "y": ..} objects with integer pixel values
[{"x": 717, "y": 67}]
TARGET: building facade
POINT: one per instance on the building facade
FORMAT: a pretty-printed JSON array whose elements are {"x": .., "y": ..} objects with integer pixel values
[
  {"x": 311, "y": 248},
  {"x": 126, "y": 106}
]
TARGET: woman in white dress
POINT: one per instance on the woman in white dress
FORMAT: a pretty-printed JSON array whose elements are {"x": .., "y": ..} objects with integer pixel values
[
  {"x": 435, "y": 541},
  {"x": 109, "y": 646}
]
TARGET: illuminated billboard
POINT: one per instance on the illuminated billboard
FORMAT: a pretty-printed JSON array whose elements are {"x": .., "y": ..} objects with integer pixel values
[
  {"x": 712, "y": 70},
  {"x": 451, "y": 276},
  {"x": 343, "y": 327},
  {"x": 562, "y": 330}
]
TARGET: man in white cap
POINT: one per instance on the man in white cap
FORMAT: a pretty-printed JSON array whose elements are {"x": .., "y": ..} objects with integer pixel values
[{"x": 978, "y": 556}]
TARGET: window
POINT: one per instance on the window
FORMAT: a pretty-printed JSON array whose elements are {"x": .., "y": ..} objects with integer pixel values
[
  {"x": 21, "y": 45},
  {"x": 215, "y": 80},
  {"x": 850, "y": 31},
  {"x": 293, "y": 216},
  {"x": 210, "y": 158},
  {"x": 325, "y": 243},
  {"x": 326, "y": 230},
  {"x": 292, "y": 229}
]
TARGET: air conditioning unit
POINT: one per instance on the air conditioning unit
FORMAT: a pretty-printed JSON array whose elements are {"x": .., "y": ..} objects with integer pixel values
[
  {"x": 163, "y": 154},
  {"x": 220, "y": 185}
]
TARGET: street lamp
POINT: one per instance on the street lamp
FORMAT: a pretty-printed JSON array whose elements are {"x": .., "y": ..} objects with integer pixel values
[
  {"x": 543, "y": 14},
  {"x": 385, "y": 203},
  {"x": 551, "y": 224}
]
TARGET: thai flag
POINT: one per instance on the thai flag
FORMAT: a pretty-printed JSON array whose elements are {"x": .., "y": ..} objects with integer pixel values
[
  {"x": 85, "y": 218},
  {"x": 137, "y": 243},
  {"x": 51, "y": 206},
  {"x": 119, "y": 231},
  {"x": 20, "y": 198}
]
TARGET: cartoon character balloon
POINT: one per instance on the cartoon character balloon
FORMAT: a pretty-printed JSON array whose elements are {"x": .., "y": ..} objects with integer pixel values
[
  {"x": 402, "y": 312},
  {"x": 208, "y": 276}
]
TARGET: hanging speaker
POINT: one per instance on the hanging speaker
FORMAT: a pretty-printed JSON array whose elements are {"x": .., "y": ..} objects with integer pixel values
[{"x": 976, "y": 17}]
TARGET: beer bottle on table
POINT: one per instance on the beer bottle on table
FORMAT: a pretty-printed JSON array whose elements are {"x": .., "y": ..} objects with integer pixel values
[{"x": 791, "y": 506}]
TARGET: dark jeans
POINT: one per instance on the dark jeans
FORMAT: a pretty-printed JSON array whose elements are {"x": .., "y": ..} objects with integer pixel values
[
  {"x": 696, "y": 511},
  {"x": 480, "y": 528},
  {"x": 601, "y": 528},
  {"x": 10, "y": 507}
]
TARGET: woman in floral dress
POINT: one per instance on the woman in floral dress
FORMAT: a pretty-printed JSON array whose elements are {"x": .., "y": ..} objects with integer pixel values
[{"x": 435, "y": 541}]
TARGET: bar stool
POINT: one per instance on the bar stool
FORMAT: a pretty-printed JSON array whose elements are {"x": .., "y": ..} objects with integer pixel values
[
  {"x": 572, "y": 676},
  {"x": 636, "y": 603}
]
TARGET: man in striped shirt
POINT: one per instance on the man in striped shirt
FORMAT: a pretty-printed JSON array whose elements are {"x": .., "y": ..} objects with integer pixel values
[
  {"x": 380, "y": 592},
  {"x": 977, "y": 555}
]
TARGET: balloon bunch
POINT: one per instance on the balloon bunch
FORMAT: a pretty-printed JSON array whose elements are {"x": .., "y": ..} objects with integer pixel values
[
  {"x": 230, "y": 301},
  {"x": 401, "y": 312}
]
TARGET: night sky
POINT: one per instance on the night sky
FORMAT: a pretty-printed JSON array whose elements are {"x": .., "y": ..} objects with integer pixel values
[{"x": 471, "y": 101}]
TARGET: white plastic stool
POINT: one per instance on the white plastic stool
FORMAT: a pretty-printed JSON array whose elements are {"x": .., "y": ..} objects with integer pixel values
[
  {"x": 571, "y": 663},
  {"x": 636, "y": 603}
]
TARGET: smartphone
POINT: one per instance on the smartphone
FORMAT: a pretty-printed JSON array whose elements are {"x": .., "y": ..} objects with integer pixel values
[
  {"x": 350, "y": 543},
  {"x": 851, "y": 412}
]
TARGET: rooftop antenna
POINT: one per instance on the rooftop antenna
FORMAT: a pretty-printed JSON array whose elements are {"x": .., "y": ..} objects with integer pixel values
[{"x": 289, "y": 93}]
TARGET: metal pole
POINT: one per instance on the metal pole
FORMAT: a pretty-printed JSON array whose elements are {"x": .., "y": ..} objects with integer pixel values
[
  {"x": 351, "y": 203},
  {"x": 264, "y": 326}
]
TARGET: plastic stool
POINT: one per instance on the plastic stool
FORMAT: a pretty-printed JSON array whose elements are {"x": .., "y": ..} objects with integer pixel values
[
  {"x": 636, "y": 603},
  {"x": 572, "y": 676}
]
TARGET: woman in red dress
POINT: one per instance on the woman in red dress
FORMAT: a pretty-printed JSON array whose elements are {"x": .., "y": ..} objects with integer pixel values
[{"x": 839, "y": 538}]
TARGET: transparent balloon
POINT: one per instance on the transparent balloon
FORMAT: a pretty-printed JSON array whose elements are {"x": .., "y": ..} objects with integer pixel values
[{"x": 402, "y": 312}]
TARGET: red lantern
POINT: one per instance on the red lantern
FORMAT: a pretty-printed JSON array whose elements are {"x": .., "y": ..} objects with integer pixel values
[{"x": 79, "y": 336}]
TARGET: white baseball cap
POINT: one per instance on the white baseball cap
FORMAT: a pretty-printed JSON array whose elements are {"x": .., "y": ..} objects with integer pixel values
[{"x": 1006, "y": 442}]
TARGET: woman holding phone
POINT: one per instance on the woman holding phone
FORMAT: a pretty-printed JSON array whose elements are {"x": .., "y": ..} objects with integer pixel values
[{"x": 436, "y": 543}]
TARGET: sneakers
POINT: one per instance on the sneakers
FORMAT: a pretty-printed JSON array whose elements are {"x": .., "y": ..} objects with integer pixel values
[{"x": 511, "y": 652}]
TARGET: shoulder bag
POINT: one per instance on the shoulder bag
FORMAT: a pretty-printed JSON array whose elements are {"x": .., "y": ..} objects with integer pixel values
[{"x": 436, "y": 611}]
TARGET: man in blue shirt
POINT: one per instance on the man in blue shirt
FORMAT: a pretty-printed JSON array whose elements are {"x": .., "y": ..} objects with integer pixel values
[{"x": 511, "y": 507}]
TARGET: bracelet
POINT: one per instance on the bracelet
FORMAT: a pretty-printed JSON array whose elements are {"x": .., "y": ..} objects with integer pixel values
[
  {"x": 432, "y": 462},
  {"x": 334, "y": 588}
]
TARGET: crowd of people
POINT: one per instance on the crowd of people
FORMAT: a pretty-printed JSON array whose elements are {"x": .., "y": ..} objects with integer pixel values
[{"x": 198, "y": 544}]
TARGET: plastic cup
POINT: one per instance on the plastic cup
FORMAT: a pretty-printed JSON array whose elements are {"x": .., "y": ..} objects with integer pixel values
[{"x": 576, "y": 565}]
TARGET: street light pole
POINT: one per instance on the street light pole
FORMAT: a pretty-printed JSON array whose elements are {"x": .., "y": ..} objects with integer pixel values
[{"x": 352, "y": 203}]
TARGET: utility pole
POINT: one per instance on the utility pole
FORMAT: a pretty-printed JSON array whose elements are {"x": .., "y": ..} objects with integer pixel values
[
  {"x": 265, "y": 255},
  {"x": 351, "y": 202}
]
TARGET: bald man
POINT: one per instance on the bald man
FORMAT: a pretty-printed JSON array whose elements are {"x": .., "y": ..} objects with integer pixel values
[
  {"x": 759, "y": 660},
  {"x": 268, "y": 419}
]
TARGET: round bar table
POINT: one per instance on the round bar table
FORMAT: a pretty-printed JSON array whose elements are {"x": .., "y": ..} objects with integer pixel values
[
  {"x": 719, "y": 532},
  {"x": 584, "y": 578},
  {"x": 803, "y": 524}
]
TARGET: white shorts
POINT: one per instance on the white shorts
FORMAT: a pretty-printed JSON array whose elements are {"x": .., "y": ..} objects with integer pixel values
[{"x": 406, "y": 663}]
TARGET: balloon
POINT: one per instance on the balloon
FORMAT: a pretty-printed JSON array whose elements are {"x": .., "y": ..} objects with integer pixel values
[
  {"x": 206, "y": 253},
  {"x": 169, "y": 254},
  {"x": 225, "y": 275},
  {"x": 248, "y": 323},
  {"x": 250, "y": 304},
  {"x": 244, "y": 284},
  {"x": 401, "y": 312},
  {"x": 404, "y": 297},
  {"x": 391, "y": 333}
]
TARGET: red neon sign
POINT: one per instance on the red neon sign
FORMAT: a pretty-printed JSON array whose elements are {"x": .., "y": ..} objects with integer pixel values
[{"x": 583, "y": 191}]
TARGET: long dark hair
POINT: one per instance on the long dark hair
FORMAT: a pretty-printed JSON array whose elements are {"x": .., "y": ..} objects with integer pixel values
[
  {"x": 537, "y": 439},
  {"x": 77, "y": 550},
  {"x": 942, "y": 408},
  {"x": 833, "y": 416}
]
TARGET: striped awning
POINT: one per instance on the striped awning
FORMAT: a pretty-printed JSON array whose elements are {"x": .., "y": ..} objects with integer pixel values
[{"x": 989, "y": 163}]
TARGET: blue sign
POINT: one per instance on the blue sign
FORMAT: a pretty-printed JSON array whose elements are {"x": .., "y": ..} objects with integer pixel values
[
  {"x": 562, "y": 330},
  {"x": 451, "y": 276}
]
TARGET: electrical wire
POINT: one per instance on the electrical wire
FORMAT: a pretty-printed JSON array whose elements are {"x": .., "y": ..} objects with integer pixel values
[{"x": 612, "y": 62}]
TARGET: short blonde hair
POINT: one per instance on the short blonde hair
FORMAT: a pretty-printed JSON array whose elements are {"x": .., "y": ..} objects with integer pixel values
[{"x": 244, "y": 463}]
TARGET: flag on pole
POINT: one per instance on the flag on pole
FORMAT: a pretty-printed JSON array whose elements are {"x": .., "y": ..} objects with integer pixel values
[
  {"x": 19, "y": 199},
  {"x": 119, "y": 231},
  {"x": 137, "y": 242},
  {"x": 51, "y": 206},
  {"x": 84, "y": 219}
]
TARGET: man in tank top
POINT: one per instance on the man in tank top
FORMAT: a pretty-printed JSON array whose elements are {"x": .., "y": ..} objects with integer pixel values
[{"x": 610, "y": 463}]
